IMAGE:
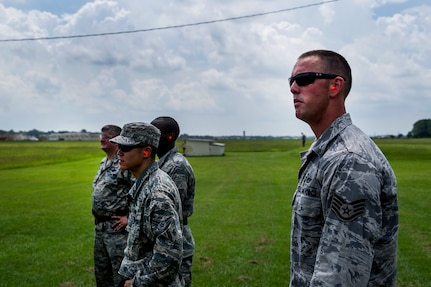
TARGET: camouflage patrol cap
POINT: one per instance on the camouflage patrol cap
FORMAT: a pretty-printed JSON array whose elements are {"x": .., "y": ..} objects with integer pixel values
[{"x": 137, "y": 134}]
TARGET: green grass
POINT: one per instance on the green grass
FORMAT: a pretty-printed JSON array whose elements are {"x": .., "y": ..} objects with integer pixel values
[
  {"x": 411, "y": 161},
  {"x": 28, "y": 154},
  {"x": 241, "y": 222}
]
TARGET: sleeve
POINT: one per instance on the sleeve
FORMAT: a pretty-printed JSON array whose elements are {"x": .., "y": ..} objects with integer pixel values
[
  {"x": 184, "y": 179},
  {"x": 168, "y": 248},
  {"x": 353, "y": 216},
  {"x": 189, "y": 202}
]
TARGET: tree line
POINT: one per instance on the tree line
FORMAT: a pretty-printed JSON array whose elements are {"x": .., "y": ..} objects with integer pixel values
[{"x": 421, "y": 129}]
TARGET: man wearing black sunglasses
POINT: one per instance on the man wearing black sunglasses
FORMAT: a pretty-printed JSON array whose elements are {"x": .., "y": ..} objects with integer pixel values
[
  {"x": 155, "y": 243},
  {"x": 345, "y": 208},
  {"x": 110, "y": 208}
]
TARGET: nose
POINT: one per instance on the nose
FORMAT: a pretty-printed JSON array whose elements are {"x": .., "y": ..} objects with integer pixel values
[{"x": 294, "y": 89}]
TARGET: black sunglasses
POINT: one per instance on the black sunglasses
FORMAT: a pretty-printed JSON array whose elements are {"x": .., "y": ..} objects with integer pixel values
[
  {"x": 304, "y": 79},
  {"x": 127, "y": 148}
]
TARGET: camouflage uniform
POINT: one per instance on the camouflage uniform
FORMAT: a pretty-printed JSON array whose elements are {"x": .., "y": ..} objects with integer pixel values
[
  {"x": 345, "y": 212},
  {"x": 155, "y": 243},
  {"x": 110, "y": 191},
  {"x": 180, "y": 170}
]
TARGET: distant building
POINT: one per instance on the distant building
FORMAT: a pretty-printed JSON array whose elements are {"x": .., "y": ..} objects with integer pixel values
[
  {"x": 73, "y": 136},
  {"x": 201, "y": 147}
]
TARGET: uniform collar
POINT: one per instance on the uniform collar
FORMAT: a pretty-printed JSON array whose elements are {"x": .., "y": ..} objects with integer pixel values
[
  {"x": 321, "y": 144},
  {"x": 162, "y": 160},
  {"x": 143, "y": 178}
]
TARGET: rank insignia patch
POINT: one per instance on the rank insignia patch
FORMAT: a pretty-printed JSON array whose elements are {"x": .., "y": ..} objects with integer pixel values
[{"x": 345, "y": 210}]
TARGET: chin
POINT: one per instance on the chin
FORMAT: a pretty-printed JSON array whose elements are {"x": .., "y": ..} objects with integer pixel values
[{"x": 298, "y": 115}]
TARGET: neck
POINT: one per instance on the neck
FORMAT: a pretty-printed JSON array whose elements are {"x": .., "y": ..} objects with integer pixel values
[
  {"x": 111, "y": 153},
  {"x": 320, "y": 127},
  {"x": 162, "y": 151},
  {"x": 141, "y": 168}
]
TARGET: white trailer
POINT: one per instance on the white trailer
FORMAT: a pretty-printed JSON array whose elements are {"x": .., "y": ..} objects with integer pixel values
[{"x": 201, "y": 147}]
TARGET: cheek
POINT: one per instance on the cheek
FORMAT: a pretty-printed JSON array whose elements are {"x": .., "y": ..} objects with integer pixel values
[
  {"x": 317, "y": 99},
  {"x": 107, "y": 144},
  {"x": 322, "y": 102},
  {"x": 314, "y": 105},
  {"x": 130, "y": 159}
]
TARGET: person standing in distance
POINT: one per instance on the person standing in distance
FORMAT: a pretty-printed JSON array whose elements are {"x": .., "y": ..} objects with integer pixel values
[
  {"x": 180, "y": 170},
  {"x": 303, "y": 139},
  {"x": 345, "y": 207},
  {"x": 155, "y": 243},
  {"x": 110, "y": 208}
]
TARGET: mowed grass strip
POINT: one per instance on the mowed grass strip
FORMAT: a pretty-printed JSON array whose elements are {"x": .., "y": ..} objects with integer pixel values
[
  {"x": 411, "y": 161},
  {"x": 242, "y": 216},
  {"x": 241, "y": 222},
  {"x": 28, "y": 154},
  {"x": 46, "y": 225}
]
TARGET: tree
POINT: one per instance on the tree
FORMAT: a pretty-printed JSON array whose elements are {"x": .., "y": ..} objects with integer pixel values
[{"x": 421, "y": 129}]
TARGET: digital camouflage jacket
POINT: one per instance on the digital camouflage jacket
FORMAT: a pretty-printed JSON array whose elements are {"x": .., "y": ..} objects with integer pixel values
[
  {"x": 345, "y": 213},
  {"x": 155, "y": 243},
  {"x": 180, "y": 170},
  {"x": 111, "y": 188}
]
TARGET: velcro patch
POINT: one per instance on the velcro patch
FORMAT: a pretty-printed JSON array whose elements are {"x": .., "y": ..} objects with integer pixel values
[{"x": 347, "y": 211}]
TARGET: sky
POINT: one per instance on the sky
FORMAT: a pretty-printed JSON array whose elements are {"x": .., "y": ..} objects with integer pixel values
[{"x": 220, "y": 78}]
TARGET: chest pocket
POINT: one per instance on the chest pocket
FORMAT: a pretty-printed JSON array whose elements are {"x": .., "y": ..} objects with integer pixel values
[{"x": 306, "y": 206}]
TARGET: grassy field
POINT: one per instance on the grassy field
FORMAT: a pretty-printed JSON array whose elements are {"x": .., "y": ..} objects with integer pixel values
[{"x": 241, "y": 222}]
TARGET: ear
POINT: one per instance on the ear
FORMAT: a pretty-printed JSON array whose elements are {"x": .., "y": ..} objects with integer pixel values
[
  {"x": 171, "y": 136},
  {"x": 336, "y": 86},
  {"x": 147, "y": 151}
]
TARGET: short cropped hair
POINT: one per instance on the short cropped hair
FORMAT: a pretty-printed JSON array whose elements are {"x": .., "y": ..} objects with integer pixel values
[
  {"x": 333, "y": 63},
  {"x": 113, "y": 130},
  {"x": 167, "y": 125}
]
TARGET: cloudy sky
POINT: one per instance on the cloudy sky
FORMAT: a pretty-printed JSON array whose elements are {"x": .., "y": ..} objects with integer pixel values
[{"x": 221, "y": 78}]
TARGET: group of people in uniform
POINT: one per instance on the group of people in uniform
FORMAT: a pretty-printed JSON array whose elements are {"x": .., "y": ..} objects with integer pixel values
[
  {"x": 141, "y": 207},
  {"x": 345, "y": 209}
]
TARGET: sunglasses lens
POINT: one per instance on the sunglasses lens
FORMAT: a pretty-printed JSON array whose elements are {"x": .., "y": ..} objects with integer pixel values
[
  {"x": 305, "y": 80},
  {"x": 125, "y": 148}
]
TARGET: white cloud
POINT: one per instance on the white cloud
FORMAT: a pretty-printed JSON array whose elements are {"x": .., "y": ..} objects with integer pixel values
[{"x": 219, "y": 78}]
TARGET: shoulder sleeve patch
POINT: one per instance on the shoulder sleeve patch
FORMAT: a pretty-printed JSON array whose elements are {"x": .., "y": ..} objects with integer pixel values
[{"x": 347, "y": 211}]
